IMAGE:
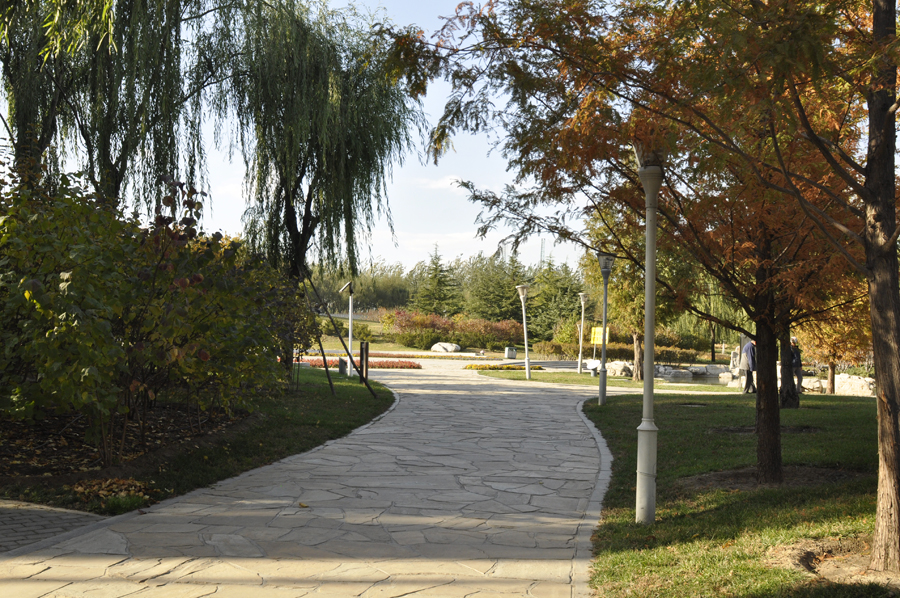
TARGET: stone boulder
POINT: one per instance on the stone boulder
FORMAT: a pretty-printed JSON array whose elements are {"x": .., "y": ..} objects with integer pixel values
[
  {"x": 618, "y": 368},
  {"x": 726, "y": 376},
  {"x": 698, "y": 370},
  {"x": 845, "y": 384},
  {"x": 679, "y": 374},
  {"x": 446, "y": 348}
]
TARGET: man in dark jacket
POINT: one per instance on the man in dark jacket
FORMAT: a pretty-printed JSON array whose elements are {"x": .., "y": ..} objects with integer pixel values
[{"x": 748, "y": 366}]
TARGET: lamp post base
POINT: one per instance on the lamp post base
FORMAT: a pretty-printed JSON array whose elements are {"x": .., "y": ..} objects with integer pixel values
[
  {"x": 601, "y": 374},
  {"x": 645, "y": 502}
]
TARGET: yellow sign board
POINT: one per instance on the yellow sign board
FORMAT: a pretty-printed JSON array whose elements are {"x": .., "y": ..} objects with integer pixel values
[{"x": 597, "y": 335}]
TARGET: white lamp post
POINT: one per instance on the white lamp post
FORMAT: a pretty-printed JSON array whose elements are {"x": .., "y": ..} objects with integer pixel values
[
  {"x": 583, "y": 297},
  {"x": 523, "y": 292},
  {"x": 606, "y": 263},
  {"x": 349, "y": 288},
  {"x": 651, "y": 174}
]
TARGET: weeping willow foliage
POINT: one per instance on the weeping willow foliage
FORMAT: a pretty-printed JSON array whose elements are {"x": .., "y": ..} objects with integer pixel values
[
  {"x": 127, "y": 102},
  {"x": 318, "y": 117},
  {"x": 138, "y": 108},
  {"x": 33, "y": 88},
  {"x": 321, "y": 125}
]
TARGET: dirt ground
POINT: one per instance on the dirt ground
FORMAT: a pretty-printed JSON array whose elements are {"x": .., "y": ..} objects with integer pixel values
[{"x": 839, "y": 560}]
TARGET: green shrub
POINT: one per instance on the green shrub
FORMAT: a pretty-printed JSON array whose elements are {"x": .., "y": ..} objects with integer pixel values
[
  {"x": 362, "y": 332},
  {"x": 326, "y": 328},
  {"x": 419, "y": 339},
  {"x": 100, "y": 316},
  {"x": 421, "y": 331}
]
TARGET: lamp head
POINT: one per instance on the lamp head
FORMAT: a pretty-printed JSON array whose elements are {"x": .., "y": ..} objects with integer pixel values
[
  {"x": 523, "y": 291},
  {"x": 606, "y": 262},
  {"x": 648, "y": 156},
  {"x": 583, "y": 297},
  {"x": 346, "y": 286}
]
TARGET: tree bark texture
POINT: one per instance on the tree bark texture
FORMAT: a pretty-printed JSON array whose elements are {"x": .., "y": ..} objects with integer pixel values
[
  {"x": 768, "y": 410},
  {"x": 884, "y": 292},
  {"x": 787, "y": 394},
  {"x": 637, "y": 373},
  {"x": 832, "y": 367}
]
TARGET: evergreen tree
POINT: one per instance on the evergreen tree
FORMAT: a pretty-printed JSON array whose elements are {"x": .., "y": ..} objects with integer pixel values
[
  {"x": 438, "y": 290},
  {"x": 552, "y": 298},
  {"x": 490, "y": 288}
]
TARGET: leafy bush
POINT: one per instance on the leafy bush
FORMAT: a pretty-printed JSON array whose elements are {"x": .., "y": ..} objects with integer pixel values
[
  {"x": 419, "y": 339},
  {"x": 422, "y": 331},
  {"x": 671, "y": 355},
  {"x": 327, "y": 329},
  {"x": 362, "y": 332},
  {"x": 566, "y": 331},
  {"x": 569, "y": 351},
  {"x": 100, "y": 316}
]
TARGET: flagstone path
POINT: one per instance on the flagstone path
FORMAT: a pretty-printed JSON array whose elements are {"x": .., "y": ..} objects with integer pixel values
[{"x": 469, "y": 486}]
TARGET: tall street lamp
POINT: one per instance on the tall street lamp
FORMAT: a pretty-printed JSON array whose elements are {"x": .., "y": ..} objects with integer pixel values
[
  {"x": 650, "y": 171},
  {"x": 583, "y": 297},
  {"x": 523, "y": 292},
  {"x": 606, "y": 263},
  {"x": 349, "y": 288}
]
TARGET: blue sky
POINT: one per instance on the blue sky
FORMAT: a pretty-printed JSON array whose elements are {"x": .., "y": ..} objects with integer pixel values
[{"x": 427, "y": 206}]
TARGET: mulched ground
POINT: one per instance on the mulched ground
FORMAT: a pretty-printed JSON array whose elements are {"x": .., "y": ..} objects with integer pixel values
[{"x": 57, "y": 446}]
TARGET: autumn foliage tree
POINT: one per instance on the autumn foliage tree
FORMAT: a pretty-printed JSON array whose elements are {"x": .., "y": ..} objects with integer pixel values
[
  {"x": 840, "y": 335},
  {"x": 793, "y": 100},
  {"x": 798, "y": 97}
]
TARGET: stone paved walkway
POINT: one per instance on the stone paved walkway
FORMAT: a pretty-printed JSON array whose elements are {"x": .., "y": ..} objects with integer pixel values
[
  {"x": 23, "y": 523},
  {"x": 468, "y": 487}
]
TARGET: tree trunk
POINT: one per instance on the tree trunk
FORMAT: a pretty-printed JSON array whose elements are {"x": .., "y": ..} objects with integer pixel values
[
  {"x": 832, "y": 367},
  {"x": 768, "y": 413},
  {"x": 884, "y": 301},
  {"x": 712, "y": 343},
  {"x": 637, "y": 373},
  {"x": 884, "y": 294},
  {"x": 788, "y": 395}
]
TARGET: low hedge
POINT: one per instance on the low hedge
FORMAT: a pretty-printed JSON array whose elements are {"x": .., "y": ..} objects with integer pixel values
[
  {"x": 615, "y": 352},
  {"x": 485, "y": 366}
]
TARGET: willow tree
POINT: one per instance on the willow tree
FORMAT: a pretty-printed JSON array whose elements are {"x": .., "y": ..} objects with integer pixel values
[
  {"x": 127, "y": 102},
  {"x": 34, "y": 87},
  {"x": 137, "y": 109},
  {"x": 321, "y": 123},
  {"x": 67, "y": 25}
]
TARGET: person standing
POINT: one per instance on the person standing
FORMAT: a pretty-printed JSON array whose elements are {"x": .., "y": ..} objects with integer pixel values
[
  {"x": 748, "y": 366},
  {"x": 797, "y": 363}
]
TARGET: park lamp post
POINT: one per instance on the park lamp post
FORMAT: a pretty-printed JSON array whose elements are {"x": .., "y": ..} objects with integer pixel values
[
  {"x": 523, "y": 292},
  {"x": 606, "y": 264},
  {"x": 650, "y": 171},
  {"x": 349, "y": 288},
  {"x": 583, "y": 297}
]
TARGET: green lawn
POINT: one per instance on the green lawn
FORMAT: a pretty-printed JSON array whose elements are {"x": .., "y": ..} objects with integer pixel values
[
  {"x": 716, "y": 542},
  {"x": 587, "y": 380}
]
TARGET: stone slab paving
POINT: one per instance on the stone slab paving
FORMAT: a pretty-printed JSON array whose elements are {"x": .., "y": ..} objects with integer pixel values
[
  {"x": 468, "y": 487},
  {"x": 23, "y": 523}
]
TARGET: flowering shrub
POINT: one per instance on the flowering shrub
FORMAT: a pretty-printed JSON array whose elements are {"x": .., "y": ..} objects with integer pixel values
[
  {"x": 487, "y": 366},
  {"x": 392, "y": 364},
  {"x": 422, "y": 331}
]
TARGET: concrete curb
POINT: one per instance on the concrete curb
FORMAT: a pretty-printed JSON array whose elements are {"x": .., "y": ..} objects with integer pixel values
[{"x": 584, "y": 550}]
